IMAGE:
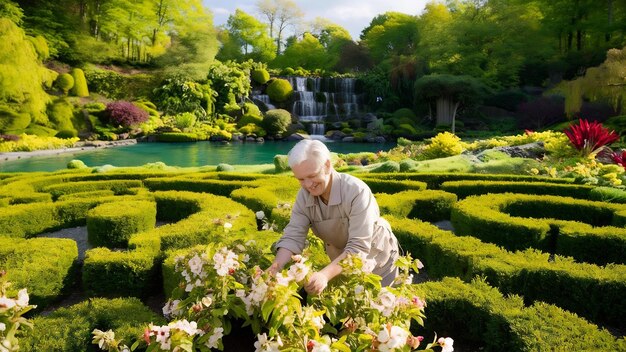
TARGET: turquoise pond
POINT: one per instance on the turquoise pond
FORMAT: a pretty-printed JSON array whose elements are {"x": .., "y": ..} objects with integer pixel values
[{"x": 178, "y": 154}]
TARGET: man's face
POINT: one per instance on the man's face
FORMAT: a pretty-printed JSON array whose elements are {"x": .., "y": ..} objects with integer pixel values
[{"x": 314, "y": 178}]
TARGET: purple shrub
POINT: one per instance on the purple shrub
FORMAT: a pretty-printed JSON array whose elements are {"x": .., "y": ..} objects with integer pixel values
[
  {"x": 9, "y": 138},
  {"x": 543, "y": 111},
  {"x": 125, "y": 113}
]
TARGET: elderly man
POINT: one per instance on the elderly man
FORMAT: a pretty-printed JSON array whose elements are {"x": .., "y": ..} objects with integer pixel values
[{"x": 341, "y": 210}]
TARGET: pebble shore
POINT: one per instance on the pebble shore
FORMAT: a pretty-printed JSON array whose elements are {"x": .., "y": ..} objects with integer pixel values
[{"x": 79, "y": 146}]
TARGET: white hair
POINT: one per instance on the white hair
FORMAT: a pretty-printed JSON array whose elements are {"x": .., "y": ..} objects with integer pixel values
[{"x": 308, "y": 149}]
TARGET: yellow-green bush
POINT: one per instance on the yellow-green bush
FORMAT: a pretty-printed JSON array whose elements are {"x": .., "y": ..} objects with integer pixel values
[
  {"x": 279, "y": 90},
  {"x": 42, "y": 265},
  {"x": 80, "y": 83},
  {"x": 28, "y": 143},
  {"x": 561, "y": 281},
  {"x": 117, "y": 186},
  {"x": 465, "y": 189},
  {"x": 70, "y": 329},
  {"x": 426, "y": 205},
  {"x": 584, "y": 227},
  {"x": 111, "y": 224},
  {"x": 479, "y": 315},
  {"x": 443, "y": 145}
]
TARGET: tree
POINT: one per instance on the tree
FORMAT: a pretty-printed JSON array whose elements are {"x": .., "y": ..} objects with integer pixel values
[
  {"x": 334, "y": 38},
  {"x": 449, "y": 93},
  {"x": 606, "y": 83},
  {"x": 22, "y": 75},
  {"x": 280, "y": 14},
  {"x": 391, "y": 34},
  {"x": 251, "y": 36},
  {"x": 307, "y": 53}
]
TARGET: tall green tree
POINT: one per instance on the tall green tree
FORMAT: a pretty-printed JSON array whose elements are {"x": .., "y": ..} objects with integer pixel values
[
  {"x": 391, "y": 34},
  {"x": 605, "y": 83},
  {"x": 22, "y": 78},
  {"x": 251, "y": 37},
  {"x": 280, "y": 14},
  {"x": 307, "y": 53}
]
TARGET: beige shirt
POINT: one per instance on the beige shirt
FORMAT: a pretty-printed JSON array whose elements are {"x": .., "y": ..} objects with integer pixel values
[{"x": 351, "y": 223}]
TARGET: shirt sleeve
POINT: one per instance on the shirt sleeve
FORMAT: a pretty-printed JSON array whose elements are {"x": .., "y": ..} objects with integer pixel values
[
  {"x": 294, "y": 234},
  {"x": 363, "y": 214}
]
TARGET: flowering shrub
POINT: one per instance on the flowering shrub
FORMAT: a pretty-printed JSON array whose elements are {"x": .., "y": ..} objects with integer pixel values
[
  {"x": 11, "y": 311},
  {"x": 619, "y": 158},
  {"x": 443, "y": 145},
  {"x": 220, "y": 285},
  {"x": 27, "y": 143},
  {"x": 125, "y": 114},
  {"x": 590, "y": 137}
]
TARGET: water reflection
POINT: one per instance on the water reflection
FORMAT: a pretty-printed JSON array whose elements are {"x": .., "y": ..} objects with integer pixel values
[{"x": 178, "y": 154}]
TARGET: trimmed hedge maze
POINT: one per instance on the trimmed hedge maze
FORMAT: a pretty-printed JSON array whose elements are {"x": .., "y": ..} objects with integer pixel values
[{"x": 534, "y": 264}]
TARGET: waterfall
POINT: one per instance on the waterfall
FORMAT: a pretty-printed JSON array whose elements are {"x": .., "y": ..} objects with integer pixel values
[{"x": 317, "y": 100}]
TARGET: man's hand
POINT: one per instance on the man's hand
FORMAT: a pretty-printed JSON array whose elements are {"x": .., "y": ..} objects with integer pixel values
[
  {"x": 317, "y": 283},
  {"x": 273, "y": 269}
]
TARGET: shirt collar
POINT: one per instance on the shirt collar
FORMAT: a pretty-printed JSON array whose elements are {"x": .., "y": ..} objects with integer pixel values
[{"x": 335, "y": 192}]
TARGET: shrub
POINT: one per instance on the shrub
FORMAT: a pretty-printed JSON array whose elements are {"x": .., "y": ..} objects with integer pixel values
[
  {"x": 13, "y": 121},
  {"x": 184, "y": 120},
  {"x": 80, "y": 83},
  {"x": 541, "y": 112},
  {"x": 276, "y": 121},
  {"x": 260, "y": 76},
  {"x": 76, "y": 164},
  {"x": 66, "y": 134},
  {"x": 404, "y": 113},
  {"x": 125, "y": 114},
  {"x": 112, "y": 224},
  {"x": 224, "y": 167},
  {"x": 279, "y": 90},
  {"x": 65, "y": 82},
  {"x": 250, "y": 119},
  {"x": 443, "y": 145},
  {"x": 281, "y": 163},
  {"x": 388, "y": 166},
  {"x": 61, "y": 113}
]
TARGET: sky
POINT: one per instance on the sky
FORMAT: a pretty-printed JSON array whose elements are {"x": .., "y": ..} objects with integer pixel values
[{"x": 354, "y": 15}]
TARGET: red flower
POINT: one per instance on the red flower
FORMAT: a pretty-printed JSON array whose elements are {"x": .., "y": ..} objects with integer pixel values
[{"x": 590, "y": 138}]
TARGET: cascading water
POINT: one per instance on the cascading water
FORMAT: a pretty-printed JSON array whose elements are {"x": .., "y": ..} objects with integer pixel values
[{"x": 317, "y": 100}]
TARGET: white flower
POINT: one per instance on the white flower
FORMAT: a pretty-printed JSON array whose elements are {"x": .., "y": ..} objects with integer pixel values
[
  {"x": 125, "y": 348},
  {"x": 171, "y": 308},
  {"x": 446, "y": 344},
  {"x": 420, "y": 265},
  {"x": 162, "y": 334},
  {"x": 359, "y": 289},
  {"x": 6, "y": 302},
  {"x": 265, "y": 345},
  {"x": 298, "y": 271},
  {"x": 260, "y": 214},
  {"x": 22, "y": 298},
  {"x": 391, "y": 338},
  {"x": 213, "y": 341},
  {"x": 102, "y": 338},
  {"x": 195, "y": 265},
  {"x": 191, "y": 328},
  {"x": 207, "y": 301},
  {"x": 2, "y": 327},
  {"x": 227, "y": 226},
  {"x": 368, "y": 265},
  {"x": 283, "y": 280}
]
